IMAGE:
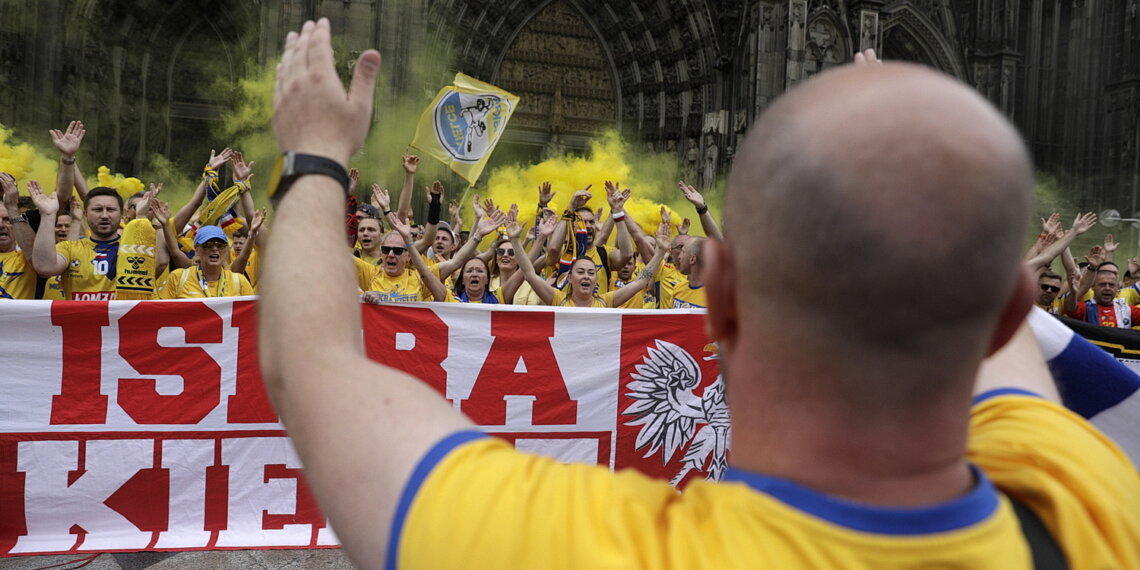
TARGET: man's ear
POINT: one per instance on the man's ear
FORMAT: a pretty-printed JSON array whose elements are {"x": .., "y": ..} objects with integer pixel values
[
  {"x": 722, "y": 321},
  {"x": 1013, "y": 313}
]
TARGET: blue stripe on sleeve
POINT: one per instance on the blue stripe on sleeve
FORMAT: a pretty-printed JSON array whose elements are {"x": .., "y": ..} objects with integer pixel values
[{"x": 419, "y": 475}]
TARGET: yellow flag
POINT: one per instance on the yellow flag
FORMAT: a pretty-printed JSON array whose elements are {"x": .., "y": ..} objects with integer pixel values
[{"x": 463, "y": 124}]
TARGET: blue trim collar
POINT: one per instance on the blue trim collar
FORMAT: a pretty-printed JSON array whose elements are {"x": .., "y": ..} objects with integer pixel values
[{"x": 972, "y": 508}]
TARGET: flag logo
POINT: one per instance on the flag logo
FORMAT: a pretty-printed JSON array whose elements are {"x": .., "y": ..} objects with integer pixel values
[{"x": 463, "y": 123}]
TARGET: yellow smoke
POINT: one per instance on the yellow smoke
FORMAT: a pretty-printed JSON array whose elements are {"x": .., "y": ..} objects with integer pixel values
[
  {"x": 126, "y": 186},
  {"x": 25, "y": 162},
  {"x": 652, "y": 178}
]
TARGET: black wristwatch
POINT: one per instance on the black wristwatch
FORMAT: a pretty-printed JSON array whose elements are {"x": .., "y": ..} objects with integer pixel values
[
  {"x": 17, "y": 219},
  {"x": 291, "y": 166}
]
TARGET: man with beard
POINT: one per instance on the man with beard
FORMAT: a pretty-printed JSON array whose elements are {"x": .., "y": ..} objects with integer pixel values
[
  {"x": 88, "y": 266},
  {"x": 210, "y": 277}
]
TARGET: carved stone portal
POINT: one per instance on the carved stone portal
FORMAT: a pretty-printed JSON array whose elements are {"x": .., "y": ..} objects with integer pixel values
[{"x": 557, "y": 67}]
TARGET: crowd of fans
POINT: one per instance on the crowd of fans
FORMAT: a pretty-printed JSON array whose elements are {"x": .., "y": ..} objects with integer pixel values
[
  {"x": 1092, "y": 290},
  {"x": 90, "y": 244}
]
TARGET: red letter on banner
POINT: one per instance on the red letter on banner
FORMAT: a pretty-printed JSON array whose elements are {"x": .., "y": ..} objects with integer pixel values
[
  {"x": 201, "y": 376},
  {"x": 79, "y": 400},
  {"x": 250, "y": 405},
  {"x": 408, "y": 338},
  {"x": 521, "y": 337}
]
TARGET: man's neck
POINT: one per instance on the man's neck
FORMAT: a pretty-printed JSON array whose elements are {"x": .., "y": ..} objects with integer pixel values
[
  {"x": 109, "y": 237},
  {"x": 695, "y": 277},
  {"x": 879, "y": 457}
]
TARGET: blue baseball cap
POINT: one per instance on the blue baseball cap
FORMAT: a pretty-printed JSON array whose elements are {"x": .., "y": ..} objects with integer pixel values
[{"x": 207, "y": 233}]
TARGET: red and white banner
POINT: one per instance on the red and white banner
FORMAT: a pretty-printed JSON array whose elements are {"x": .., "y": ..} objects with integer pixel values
[{"x": 144, "y": 425}]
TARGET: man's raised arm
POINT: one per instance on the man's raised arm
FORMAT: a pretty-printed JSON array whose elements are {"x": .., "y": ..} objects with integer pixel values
[{"x": 359, "y": 427}]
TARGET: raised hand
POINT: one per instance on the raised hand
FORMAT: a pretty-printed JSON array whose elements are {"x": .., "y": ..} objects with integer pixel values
[
  {"x": 615, "y": 196},
  {"x": 11, "y": 191},
  {"x": 1110, "y": 243},
  {"x": 666, "y": 217},
  {"x": 684, "y": 227},
  {"x": 1095, "y": 256},
  {"x": 258, "y": 220},
  {"x": 1051, "y": 225},
  {"x": 1084, "y": 222},
  {"x": 581, "y": 197},
  {"x": 662, "y": 237},
  {"x": 549, "y": 222},
  {"x": 514, "y": 229},
  {"x": 242, "y": 170},
  {"x": 453, "y": 210},
  {"x": 436, "y": 188},
  {"x": 411, "y": 162},
  {"x": 319, "y": 117},
  {"x": 159, "y": 212},
  {"x": 47, "y": 205},
  {"x": 68, "y": 142},
  {"x": 475, "y": 207},
  {"x": 217, "y": 160},
  {"x": 402, "y": 228},
  {"x": 691, "y": 194},
  {"x": 545, "y": 195},
  {"x": 353, "y": 180},
  {"x": 490, "y": 222},
  {"x": 866, "y": 57},
  {"x": 143, "y": 205},
  {"x": 380, "y": 196}
]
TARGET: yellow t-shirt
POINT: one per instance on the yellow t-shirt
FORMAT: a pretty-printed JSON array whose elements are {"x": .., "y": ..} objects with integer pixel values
[
  {"x": 90, "y": 273},
  {"x": 474, "y": 502},
  {"x": 685, "y": 296},
  {"x": 562, "y": 299},
  {"x": 408, "y": 287},
  {"x": 17, "y": 278},
  {"x": 667, "y": 280},
  {"x": 365, "y": 273},
  {"x": 187, "y": 283}
]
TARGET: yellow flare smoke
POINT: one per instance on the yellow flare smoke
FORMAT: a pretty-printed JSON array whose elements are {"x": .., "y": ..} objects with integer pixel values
[
  {"x": 25, "y": 162},
  {"x": 607, "y": 158}
]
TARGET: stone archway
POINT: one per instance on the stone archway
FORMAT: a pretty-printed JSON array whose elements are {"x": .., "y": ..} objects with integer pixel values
[
  {"x": 912, "y": 36},
  {"x": 558, "y": 66}
]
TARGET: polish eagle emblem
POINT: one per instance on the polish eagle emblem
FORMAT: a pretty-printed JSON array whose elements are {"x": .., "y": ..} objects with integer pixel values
[{"x": 671, "y": 415}]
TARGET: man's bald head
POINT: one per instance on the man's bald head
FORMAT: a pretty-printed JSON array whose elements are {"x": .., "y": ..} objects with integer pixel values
[{"x": 904, "y": 187}]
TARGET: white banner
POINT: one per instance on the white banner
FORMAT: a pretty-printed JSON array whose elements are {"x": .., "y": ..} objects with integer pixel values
[{"x": 145, "y": 426}]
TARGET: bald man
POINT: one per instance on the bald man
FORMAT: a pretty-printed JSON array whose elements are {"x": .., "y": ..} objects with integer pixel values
[{"x": 855, "y": 442}]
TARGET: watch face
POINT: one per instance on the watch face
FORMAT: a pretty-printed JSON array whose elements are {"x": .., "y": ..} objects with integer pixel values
[{"x": 275, "y": 176}]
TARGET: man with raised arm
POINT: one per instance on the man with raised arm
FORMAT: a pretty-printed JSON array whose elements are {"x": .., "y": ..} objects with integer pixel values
[
  {"x": 855, "y": 442},
  {"x": 17, "y": 277}
]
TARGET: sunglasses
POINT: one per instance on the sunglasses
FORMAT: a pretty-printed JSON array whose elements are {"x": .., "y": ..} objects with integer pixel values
[
  {"x": 394, "y": 250},
  {"x": 1051, "y": 288},
  {"x": 214, "y": 244},
  {"x": 502, "y": 251}
]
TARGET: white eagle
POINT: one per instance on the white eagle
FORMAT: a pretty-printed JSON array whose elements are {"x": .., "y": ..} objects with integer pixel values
[{"x": 671, "y": 414}]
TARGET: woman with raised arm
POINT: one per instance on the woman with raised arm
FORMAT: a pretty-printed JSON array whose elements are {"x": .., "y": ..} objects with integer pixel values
[{"x": 581, "y": 290}]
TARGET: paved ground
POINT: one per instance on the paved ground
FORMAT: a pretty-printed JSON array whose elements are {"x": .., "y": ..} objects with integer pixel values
[{"x": 320, "y": 558}]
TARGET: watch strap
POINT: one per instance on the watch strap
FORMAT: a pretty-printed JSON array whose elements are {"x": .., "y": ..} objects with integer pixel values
[{"x": 291, "y": 166}]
